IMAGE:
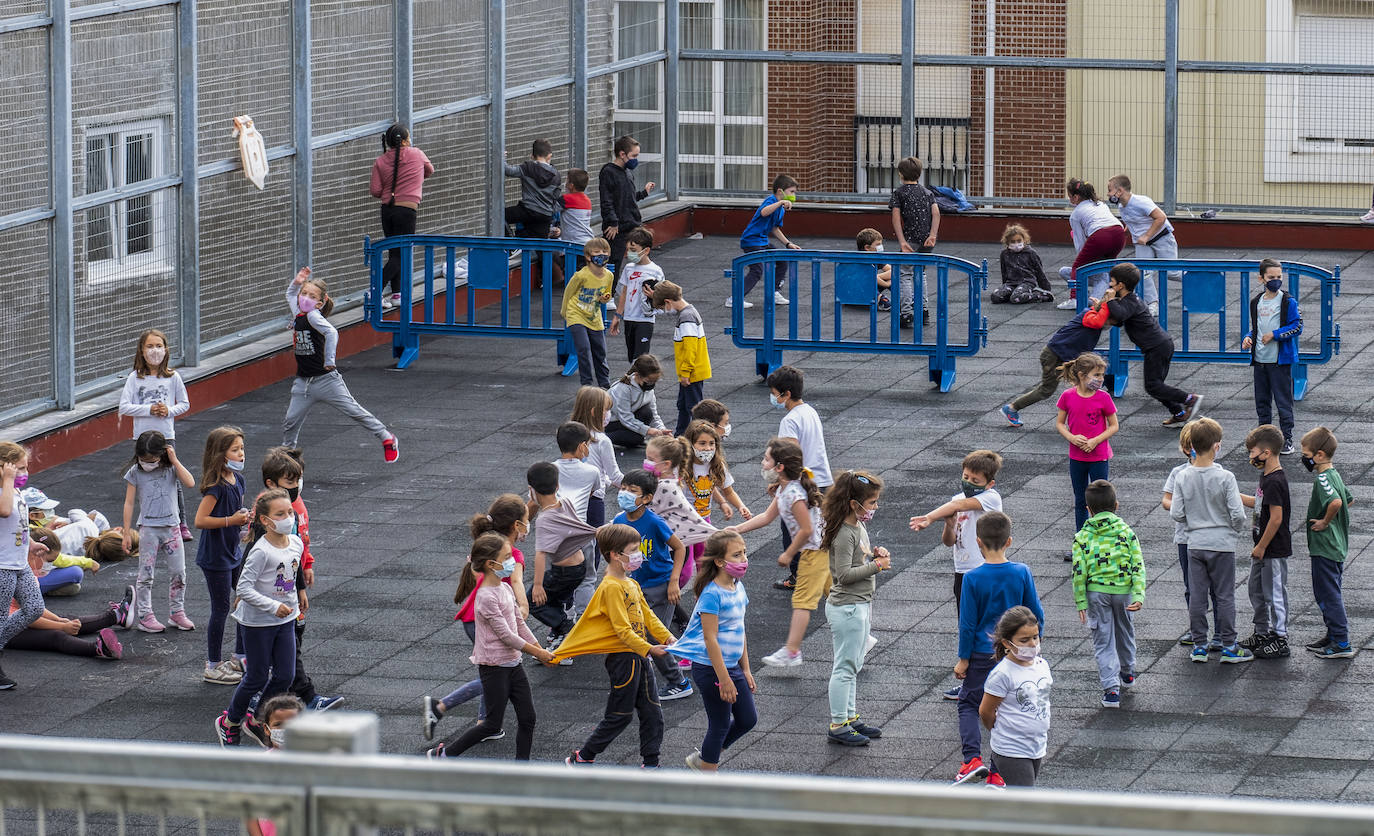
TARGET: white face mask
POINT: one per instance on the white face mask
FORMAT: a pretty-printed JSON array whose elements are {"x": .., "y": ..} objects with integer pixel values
[
  {"x": 725, "y": 431},
  {"x": 770, "y": 476},
  {"x": 285, "y": 525},
  {"x": 1017, "y": 246},
  {"x": 705, "y": 456},
  {"x": 278, "y": 736},
  {"x": 1026, "y": 653},
  {"x": 149, "y": 467},
  {"x": 877, "y": 248},
  {"x": 155, "y": 356}
]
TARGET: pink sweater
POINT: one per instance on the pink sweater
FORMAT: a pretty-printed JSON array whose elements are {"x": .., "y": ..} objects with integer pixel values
[
  {"x": 501, "y": 633},
  {"x": 415, "y": 167}
]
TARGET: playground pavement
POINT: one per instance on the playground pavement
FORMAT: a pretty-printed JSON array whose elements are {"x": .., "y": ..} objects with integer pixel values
[{"x": 472, "y": 414}]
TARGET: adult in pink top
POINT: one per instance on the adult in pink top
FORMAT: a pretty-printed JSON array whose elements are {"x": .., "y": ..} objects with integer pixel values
[
  {"x": 398, "y": 177},
  {"x": 1087, "y": 418}
]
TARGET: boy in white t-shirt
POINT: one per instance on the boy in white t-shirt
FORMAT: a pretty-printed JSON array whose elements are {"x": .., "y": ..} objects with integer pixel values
[
  {"x": 976, "y": 497},
  {"x": 802, "y": 424},
  {"x": 1150, "y": 231},
  {"x": 634, "y": 310}
]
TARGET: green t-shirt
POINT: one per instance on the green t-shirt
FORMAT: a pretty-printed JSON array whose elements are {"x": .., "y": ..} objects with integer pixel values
[{"x": 1331, "y": 543}]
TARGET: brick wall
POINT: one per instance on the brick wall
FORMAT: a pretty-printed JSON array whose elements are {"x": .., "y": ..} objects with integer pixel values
[{"x": 1029, "y": 111}]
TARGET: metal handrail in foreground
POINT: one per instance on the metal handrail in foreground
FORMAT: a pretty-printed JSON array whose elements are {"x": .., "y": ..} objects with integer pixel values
[{"x": 328, "y": 794}]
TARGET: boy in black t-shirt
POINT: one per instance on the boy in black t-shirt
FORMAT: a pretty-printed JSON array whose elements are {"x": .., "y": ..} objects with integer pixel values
[
  {"x": 916, "y": 226},
  {"x": 1120, "y": 306},
  {"x": 1273, "y": 545}
]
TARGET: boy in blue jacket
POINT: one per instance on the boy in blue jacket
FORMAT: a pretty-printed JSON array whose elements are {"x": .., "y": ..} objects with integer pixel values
[
  {"x": 1275, "y": 324},
  {"x": 987, "y": 593}
]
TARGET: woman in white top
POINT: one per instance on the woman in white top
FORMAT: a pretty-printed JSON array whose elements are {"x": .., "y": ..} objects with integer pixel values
[{"x": 1097, "y": 234}]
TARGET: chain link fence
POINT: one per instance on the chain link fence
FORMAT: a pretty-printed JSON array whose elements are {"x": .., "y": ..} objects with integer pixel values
[{"x": 1251, "y": 106}]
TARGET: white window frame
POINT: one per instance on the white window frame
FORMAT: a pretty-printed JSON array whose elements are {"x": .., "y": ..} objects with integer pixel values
[
  {"x": 715, "y": 117},
  {"x": 1288, "y": 156},
  {"x": 125, "y": 266}
]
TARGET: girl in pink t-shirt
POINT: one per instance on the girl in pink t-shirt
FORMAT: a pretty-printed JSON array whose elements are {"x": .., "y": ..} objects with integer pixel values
[{"x": 1087, "y": 418}]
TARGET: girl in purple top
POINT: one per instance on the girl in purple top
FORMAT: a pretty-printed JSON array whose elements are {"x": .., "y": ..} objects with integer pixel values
[{"x": 1087, "y": 418}]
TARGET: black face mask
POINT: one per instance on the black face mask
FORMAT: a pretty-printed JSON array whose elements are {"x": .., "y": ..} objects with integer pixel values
[
  {"x": 647, "y": 387},
  {"x": 1309, "y": 463},
  {"x": 1257, "y": 462},
  {"x": 292, "y": 493}
]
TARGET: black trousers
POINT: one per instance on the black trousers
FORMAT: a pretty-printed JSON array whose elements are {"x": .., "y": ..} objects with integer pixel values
[
  {"x": 396, "y": 220},
  {"x": 1156, "y": 369},
  {"x": 560, "y": 582},
  {"x": 637, "y": 337},
  {"x": 500, "y": 686},
  {"x": 302, "y": 686},
  {"x": 623, "y": 436},
  {"x": 634, "y": 690},
  {"x": 533, "y": 225},
  {"x": 618, "y": 252},
  {"x": 56, "y": 641}
]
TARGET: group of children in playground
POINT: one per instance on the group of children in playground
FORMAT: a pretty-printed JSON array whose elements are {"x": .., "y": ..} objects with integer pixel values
[{"x": 617, "y": 588}]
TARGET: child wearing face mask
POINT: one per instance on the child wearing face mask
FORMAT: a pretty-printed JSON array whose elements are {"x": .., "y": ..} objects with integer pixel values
[
  {"x": 1023, "y": 276},
  {"x": 662, "y": 557},
  {"x": 274, "y": 715},
  {"x": 1275, "y": 325},
  {"x": 1087, "y": 418},
  {"x": 220, "y": 517},
  {"x": 154, "y": 395},
  {"x": 1020, "y": 726},
  {"x": 585, "y": 293},
  {"x": 707, "y": 479},
  {"x": 1108, "y": 588},
  {"x": 634, "y": 418},
  {"x": 153, "y": 478},
  {"x": 634, "y": 309},
  {"x": 870, "y": 240},
  {"x": 666, "y": 457},
  {"x": 619, "y": 623}
]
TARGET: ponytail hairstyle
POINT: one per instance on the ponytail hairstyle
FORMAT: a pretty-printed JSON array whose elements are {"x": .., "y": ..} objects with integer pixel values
[
  {"x": 717, "y": 469},
  {"x": 141, "y": 367},
  {"x": 852, "y": 485},
  {"x": 589, "y": 409},
  {"x": 395, "y": 137},
  {"x": 1081, "y": 190},
  {"x": 262, "y": 506},
  {"x": 643, "y": 366},
  {"x": 675, "y": 451},
  {"x": 1012, "y": 622},
  {"x": 713, "y": 556},
  {"x": 485, "y": 549},
  {"x": 506, "y": 512},
  {"x": 788, "y": 453},
  {"x": 1081, "y": 366},
  {"x": 150, "y": 443},
  {"x": 108, "y": 547},
  {"x": 217, "y": 445},
  {"x": 326, "y": 301}
]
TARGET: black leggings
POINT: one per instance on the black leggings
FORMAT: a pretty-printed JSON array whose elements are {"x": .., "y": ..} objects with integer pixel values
[
  {"x": 623, "y": 436},
  {"x": 56, "y": 641},
  {"x": 396, "y": 220},
  {"x": 500, "y": 686}
]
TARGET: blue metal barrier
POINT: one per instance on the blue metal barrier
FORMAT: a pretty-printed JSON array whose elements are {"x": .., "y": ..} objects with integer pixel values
[
  {"x": 488, "y": 269},
  {"x": 1220, "y": 289},
  {"x": 854, "y": 283}
]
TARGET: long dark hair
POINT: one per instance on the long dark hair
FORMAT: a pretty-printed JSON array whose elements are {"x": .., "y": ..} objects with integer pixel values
[
  {"x": 717, "y": 546},
  {"x": 486, "y": 548},
  {"x": 395, "y": 137},
  {"x": 643, "y": 366},
  {"x": 852, "y": 485},
  {"x": 1008, "y": 626},
  {"x": 1081, "y": 190},
  {"x": 788, "y": 453},
  {"x": 150, "y": 443}
]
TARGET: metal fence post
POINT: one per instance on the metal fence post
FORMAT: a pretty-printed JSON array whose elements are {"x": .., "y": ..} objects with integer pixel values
[
  {"x": 344, "y": 732},
  {"x": 301, "y": 134},
  {"x": 908, "y": 79},
  {"x": 496, "y": 123},
  {"x": 63, "y": 224},
  {"x": 577, "y": 151},
  {"x": 672, "y": 15},
  {"x": 188, "y": 150},
  {"x": 405, "y": 62},
  {"x": 1170, "y": 106}
]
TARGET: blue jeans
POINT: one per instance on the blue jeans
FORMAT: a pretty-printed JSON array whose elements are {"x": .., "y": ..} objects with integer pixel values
[
  {"x": 1081, "y": 474},
  {"x": 468, "y": 690},
  {"x": 1326, "y": 588},
  {"x": 725, "y": 722},
  {"x": 271, "y": 653},
  {"x": 970, "y": 697},
  {"x": 1274, "y": 381},
  {"x": 754, "y": 274},
  {"x": 60, "y": 577}
]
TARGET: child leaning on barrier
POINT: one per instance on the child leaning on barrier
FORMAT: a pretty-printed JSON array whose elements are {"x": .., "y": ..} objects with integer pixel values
[
  {"x": 1275, "y": 325},
  {"x": 1023, "y": 276}
]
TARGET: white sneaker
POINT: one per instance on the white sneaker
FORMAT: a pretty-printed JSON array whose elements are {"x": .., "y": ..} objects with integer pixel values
[
  {"x": 387, "y": 304},
  {"x": 783, "y": 658},
  {"x": 1367, "y": 217},
  {"x": 730, "y": 302},
  {"x": 870, "y": 643},
  {"x": 1067, "y": 305},
  {"x": 779, "y": 299}
]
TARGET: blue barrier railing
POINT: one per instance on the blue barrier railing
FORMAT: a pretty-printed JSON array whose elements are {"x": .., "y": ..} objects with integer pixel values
[
  {"x": 488, "y": 268},
  {"x": 853, "y": 283},
  {"x": 1221, "y": 289}
]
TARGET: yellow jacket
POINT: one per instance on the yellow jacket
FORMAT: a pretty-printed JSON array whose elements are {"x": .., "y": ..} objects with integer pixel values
[
  {"x": 689, "y": 347},
  {"x": 582, "y": 298},
  {"x": 618, "y": 620}
]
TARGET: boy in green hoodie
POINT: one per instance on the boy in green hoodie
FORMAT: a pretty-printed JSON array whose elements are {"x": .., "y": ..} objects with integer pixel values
[{"x": 1108, "y": 585}]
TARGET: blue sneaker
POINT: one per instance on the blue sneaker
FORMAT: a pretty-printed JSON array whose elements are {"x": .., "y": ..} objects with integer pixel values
[
  {"x": 1199, "y": 653},
  {"x": 1111, "y": 698},
  {"x": 1236, "y": 654},
  {"x": 323, "y": 703},
  {"x": 1336, "y": 651},
  {"x": 1013, "y": 417},
  {"x": 1214, "y": 646}
]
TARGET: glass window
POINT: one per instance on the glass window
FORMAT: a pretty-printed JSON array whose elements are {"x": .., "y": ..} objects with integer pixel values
[
  {"x": 637, "y": 89},
  {"x": 117, "y": 157},
  {"x": 697, "y": 140},
  {"x": 697, "y": 175},
  {"x": 748, "y": 177},
  {"x": 743, "y": 140}
]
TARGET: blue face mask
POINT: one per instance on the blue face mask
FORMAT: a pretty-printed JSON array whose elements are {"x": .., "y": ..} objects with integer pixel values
[
  {"x": 627, "y": 501},
  {"x": 778, "y": 404},
  {"x": 1273, "y": 285},
  {"x": 600, "y": 260},
  {"x": 632, "y": 164},
  {"x": 507, "y": 568},
  {"x": 237, "y": 467}
]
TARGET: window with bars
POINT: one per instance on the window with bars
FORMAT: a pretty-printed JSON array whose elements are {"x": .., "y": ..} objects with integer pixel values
[{"x": 123, "y": 237}]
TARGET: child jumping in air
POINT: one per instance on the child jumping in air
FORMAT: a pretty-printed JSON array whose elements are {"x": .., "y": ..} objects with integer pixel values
[{"x": 317, "y": 378}]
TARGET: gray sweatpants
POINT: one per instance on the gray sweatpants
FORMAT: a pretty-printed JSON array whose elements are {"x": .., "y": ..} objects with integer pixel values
[
  {"x": 907, "y": 278},
  {"x": 1212, "y": 574},
  {"x": 1268, "y": 588},
  {"x": 1166, "y": 247},
  {"x": 1113, "y": 637},
  {"x": 327, "y": 388},
  {"x": 657, "y": 599}
]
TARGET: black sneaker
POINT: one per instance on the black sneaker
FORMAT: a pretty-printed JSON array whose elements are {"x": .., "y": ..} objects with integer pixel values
[
  {"x": 789, "y": 583},
  {"x": 846, "y": 735},
  {"x": 257, "y": 731},
  {"x": 429, "y": 717},
  {"x": 1274, "y": 647},
  {"x": 1318, "y": 645},
  {"x": 906, "y": 320},
  {"x": 1256, "y": 640},
  {"x": 870, "y": 732},
  {"x": 5, "y": 682}
]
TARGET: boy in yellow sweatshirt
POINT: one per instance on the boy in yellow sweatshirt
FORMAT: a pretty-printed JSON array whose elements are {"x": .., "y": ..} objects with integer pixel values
[
  {"x": 619, "y": 623},
  {"x": 692, "y": 363}
]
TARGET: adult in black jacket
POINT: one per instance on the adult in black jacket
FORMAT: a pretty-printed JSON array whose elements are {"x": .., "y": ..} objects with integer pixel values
[{"x": 619, "y": 199}]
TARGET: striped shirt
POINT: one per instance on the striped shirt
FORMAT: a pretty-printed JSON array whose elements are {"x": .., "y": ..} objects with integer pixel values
[{"x": 729, "y": 608}]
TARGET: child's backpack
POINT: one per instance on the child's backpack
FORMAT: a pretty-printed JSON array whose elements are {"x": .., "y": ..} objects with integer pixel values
[{"x": 951, "y": 200}]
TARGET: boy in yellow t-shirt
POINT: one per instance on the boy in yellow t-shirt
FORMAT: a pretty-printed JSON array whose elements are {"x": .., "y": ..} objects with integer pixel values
[
  {"x": 619, "y": 623},
  {"x": 583, "y": 297}
]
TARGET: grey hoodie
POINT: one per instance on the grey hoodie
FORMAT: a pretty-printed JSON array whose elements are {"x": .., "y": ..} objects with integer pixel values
[
  {"x": 538, "y": 185},
  {"x": 1207, "y": 503}
]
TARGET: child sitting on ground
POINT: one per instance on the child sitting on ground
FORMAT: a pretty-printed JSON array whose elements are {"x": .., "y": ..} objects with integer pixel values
[
  {"x": 1023, "y": 276},
  {"x": 870, "y": 240}
]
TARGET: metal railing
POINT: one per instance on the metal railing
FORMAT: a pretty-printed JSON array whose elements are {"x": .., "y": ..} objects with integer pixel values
[
  {"x": 1219, "y": 289},
  {"x": 942, "y": 145},
  {"x": 852, "y": 282}
]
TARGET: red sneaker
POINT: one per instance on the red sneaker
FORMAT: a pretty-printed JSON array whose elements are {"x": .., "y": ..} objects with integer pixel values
[
  {"x": 995, "y": 782},
  {"x": 971, "y": 771},
  {"x": 391, "y": 450}
]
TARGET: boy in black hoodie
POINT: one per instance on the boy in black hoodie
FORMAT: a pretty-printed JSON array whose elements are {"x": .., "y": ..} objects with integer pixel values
[{"x": 538, "y": 192}]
